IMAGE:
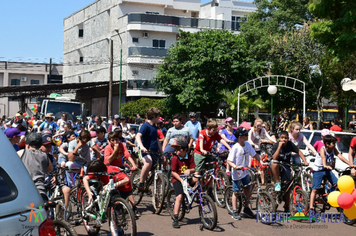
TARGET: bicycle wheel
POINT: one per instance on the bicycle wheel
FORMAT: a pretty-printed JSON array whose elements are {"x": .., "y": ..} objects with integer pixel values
[
  {"x": 228, "y": 201},
  {"x": 171, "y": 201},
  {"x": 122, "y": 217},
  {"x": 135, "y": 181},
  {"x": 298, "y": 200},
  {"x": 307, "y": 183},
  {"x": 74, "y": 211},
  {"x": 219, "y": 188},
  {"x": 347, "y": 220},
  {"x": 321, "y": 201},
  {"x": 59, "y": 210},
  {"x": 63, "y": 228},
  {"x": 91, "y": 225},
  {"x": 264, "y": 204},
  {"x": 208, "y": 212},
  {"x": 159, "y": 185}
]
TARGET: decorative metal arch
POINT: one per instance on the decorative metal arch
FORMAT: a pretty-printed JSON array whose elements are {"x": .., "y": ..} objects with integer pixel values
[{"x": 268, "y": 80}]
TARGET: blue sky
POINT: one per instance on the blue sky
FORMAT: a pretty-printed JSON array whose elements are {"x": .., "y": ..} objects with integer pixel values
[{"x": 32, "y": 30}]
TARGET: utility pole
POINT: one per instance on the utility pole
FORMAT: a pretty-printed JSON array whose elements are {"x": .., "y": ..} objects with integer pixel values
[
  {"x": 120, "y": 73},
  {"x": 111, "y": 78}
]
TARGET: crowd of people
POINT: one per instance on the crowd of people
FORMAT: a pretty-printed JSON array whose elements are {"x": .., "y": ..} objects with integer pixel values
[{"x": 43, "y": 145}]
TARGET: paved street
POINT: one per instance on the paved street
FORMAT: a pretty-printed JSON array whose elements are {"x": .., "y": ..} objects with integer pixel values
[{"x": 151, "y": 224}]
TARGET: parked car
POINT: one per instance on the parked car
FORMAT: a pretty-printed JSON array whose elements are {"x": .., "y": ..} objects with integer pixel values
[
  {"x": 342, "y": 144},
  {"x": 20, "y": 201}
]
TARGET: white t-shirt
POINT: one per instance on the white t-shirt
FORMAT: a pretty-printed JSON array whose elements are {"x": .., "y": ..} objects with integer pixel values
[
  {"x": 240, "y": 156},
  {"x": 330, "y": 160}
]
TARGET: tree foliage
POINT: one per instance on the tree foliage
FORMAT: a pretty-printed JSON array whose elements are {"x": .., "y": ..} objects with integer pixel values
[
  {"x": 199, "y": 66},
  {"x": 141, "y": 106},
  {"x": 336, "y": 27}
]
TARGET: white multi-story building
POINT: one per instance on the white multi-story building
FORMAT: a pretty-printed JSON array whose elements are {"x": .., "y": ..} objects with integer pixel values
[{"x": 144, "y": 30}]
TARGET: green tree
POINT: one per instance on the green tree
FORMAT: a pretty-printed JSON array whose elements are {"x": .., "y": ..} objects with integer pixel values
[
  {"x": 141, "y": 106},
  {"x": 336, "y": 27},
  {"x": 199, "y": 66}
]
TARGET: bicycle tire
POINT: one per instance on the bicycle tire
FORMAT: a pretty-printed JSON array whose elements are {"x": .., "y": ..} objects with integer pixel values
[
  {"x": 320, "y": 202},
  {"x": 307, "y": 183},
  {"x": 159, "y": 190},
  {"x": 74, "y": 213},
  {"x": 122, "y": 215},
  {"x": 88, "y": 221},
  {"x": 264, "y": 204},
  {"x": 301, "y": 199},
  {"x": 228, "y": 201},
  {"x": 167, "y": 185},
  {"x": 63, "y": 228},
  {"x": 171, "y": 200},
  {"x": 59, "y": 210},
  {"x": 135, "y": 181},
  {"x": 219, "y": 188},
  {"x": 208, "y": 212}
]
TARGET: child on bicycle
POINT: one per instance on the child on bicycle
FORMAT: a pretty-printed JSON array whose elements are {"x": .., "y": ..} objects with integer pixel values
[
  {"x": 206, "y": 140},
  {"x": 182, "y": 164},
  {"x": 121, "y": 181},
  {"x": 239, "y": 157},
  {"x": 323, "y": 165},
  {"x": 282, "y": 152}
]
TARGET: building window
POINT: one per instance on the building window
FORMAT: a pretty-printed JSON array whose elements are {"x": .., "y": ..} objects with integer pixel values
[
  {"x": 81, "y": 59},
  {"x": 81, "y": 33},
  {"x": 235, "y": 24},
  {"x": 15, "y": 82},
  {"x": 135, "y": 40},
  {"x": 35, "y": 81},
  {"x": 134, "y": 72},
  {"x": 158, "y": 43}
]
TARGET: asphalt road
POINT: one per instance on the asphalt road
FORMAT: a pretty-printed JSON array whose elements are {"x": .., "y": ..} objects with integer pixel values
[{"x": 151, "y": 224}]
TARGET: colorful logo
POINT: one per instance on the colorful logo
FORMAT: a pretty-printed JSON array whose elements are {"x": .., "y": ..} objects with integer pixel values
[{"x": 34, "y": 217}]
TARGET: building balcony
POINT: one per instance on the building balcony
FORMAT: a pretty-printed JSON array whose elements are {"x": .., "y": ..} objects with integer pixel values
[
  {"x": 144, "y": 88},
  {"x": 147, "y": 52},
  {"x": 181, "y": 22}
]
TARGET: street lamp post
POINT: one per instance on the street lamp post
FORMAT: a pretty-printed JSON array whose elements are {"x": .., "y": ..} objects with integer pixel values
[
  {"x": 120, "y": 72},
  {"x": 272, "y": 90}
]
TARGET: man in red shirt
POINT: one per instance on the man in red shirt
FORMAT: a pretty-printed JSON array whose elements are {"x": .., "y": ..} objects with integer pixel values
[
  {"x": 245, "y": 124},
  {"x": 352, "y": 155},
  {"x": 206, "y": 140},
  {"x": 115, "y": 151},
  {"x": 335, "y": 127}
]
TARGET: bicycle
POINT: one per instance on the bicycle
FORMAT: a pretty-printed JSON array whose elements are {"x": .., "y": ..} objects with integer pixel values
[
  {"x": 264, "y": 201},
  {"x": 107, "y": 205},
  {"x": 298, "y": 195},
  {"x": 206, "y": 207},
  {"x": 160, "y": 185},
  {"x": 60, "y": 226}
]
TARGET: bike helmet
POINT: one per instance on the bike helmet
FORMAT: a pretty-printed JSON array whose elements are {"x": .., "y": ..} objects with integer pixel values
[{"x": 241, "y": 131}]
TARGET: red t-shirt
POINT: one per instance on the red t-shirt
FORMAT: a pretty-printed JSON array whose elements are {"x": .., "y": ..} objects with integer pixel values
[
  {"x": 181, "y": 165},
  {"x": 335, "y": 128},
  {"x": 160, "y": 134},
  {"x": 246, "y": 125},
  {"x": 353, "y": 144},
  {"x": 122, "y": 151},
  {"x": 208, "y": 141},
  {"x": 120, "y": 176}
]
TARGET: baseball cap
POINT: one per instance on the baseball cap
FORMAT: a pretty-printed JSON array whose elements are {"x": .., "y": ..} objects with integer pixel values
[
  {"x": 325, "y": 132},
  {"x": 47, "y": 139},
  {"x": 180, "y": 143},
  {"x": 34, "y": 139},
  {"x": 68, "y": 134},
  {"x": 116, "y": 116},
  {"x": 161, "y": 119},
  {"x": 228, "y": 119},
  {"x": 12, "y": 132},
  {"x": 92, "y": 134},
  {"x": 241, "y": 131},
  {"x": 192, "y": 114},
  {"x": 100, "y": 130}
]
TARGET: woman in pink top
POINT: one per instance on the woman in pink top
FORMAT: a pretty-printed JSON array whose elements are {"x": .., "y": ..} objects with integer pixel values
[
  {"x": 320, "y": 143},
  {"x": 297, "y": 139}
]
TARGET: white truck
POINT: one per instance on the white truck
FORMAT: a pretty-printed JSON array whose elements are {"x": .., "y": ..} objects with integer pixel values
[{"x": 58, "y": 105}]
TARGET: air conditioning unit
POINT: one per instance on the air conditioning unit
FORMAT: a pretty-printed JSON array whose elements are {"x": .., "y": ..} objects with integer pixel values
[
  {"x": 23, "y": 78},
  {"x": 145, "y": 35}
]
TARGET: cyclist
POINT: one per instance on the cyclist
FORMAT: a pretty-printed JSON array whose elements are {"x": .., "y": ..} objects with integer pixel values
[
  {"x": 239, "y": 157},
  {"x": 320, "y": 143},
  {"x": 147, "y": 139},
  {"x": 282, "y": 152},
  {"x": 193, "y": 125},
  {"x": 297, "y": 139},
  {"x": 182, "y": 163},
  {"x": 323, "y": 165},
  {"x": 352, "y": 155},
  {"x": 121, "y": 182},
  {"x": 228, "y": 135}
]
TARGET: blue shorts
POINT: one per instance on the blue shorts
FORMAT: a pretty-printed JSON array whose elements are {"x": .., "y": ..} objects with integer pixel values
[
  {"x": 236, "y": 184},
  {"x": 319, "y": 175},
  {"x": 296, "y": 160},
  {"x": 284, "y": 173}
]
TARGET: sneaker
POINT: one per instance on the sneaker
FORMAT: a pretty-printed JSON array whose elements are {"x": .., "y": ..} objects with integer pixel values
[
  {"x": 175, "y": 223},
  {"x": 248, "y": 212},
  {"x": 277, "y": 187},
  {"x": 137, "y": 213},
  {"x": 141, "y": 187},
  {"x": 235, "y": 216}
]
